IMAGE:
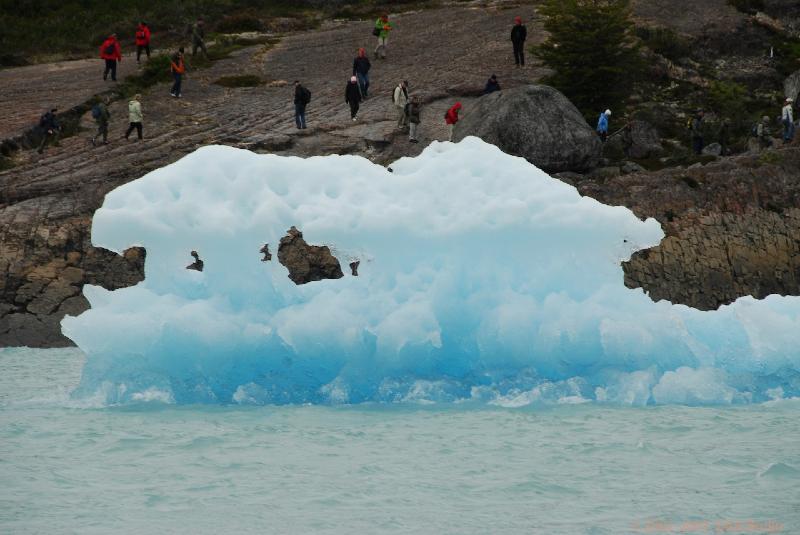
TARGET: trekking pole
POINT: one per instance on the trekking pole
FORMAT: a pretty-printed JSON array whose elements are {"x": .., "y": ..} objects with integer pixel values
[{"x": 617, "y": 132}]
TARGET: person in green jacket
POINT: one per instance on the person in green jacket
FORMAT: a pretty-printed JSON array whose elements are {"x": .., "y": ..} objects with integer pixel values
[
  {"x": 381, "y": 31},
  {"x": 135, "y": 116},
  {"x": 101, "y": 115}
]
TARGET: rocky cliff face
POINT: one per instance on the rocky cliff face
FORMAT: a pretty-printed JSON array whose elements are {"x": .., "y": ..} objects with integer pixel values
[{"x": 733, "y": 228}]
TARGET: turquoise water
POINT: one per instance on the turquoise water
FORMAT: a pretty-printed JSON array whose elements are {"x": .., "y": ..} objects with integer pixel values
[{"x": 69, "y": 467}]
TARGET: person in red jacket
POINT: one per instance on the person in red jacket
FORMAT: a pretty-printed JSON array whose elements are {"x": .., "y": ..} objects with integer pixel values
[
  {"x": 112, "y": 53},
  {"x": 142, "y": 40},
  {"x": 451, "y": 118}
]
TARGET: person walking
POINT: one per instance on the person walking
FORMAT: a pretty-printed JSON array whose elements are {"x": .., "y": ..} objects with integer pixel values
[
  {"x": 302, "y": 97},
  {"x": 199, "y": 37},
  {"x": 724, "y": 137},
  {"x": 135, "y": 116},
  {"x": 400, "y": 99},
  {"x": 381, "y": 31},
  {"x": 49, "y": 127},
  {"x": 492, "y": 85},
  {"x": 787, "y": 118},
  {"x": 414, "y": 114},
  {"x": 451, "y": 118},
  {"x": 142, "y": 41},
  {"x": 111, "y": 52},
  {"x": 518, "y": 35},
  {"x": 361, "y": 66},
  {"x": 352, "y": 96},
  {"x": 101, "y": 116},
  {"x": 602, "y": 125},
  {"x": 178, "y": 68},
  {"x": 696, "y": 128}
]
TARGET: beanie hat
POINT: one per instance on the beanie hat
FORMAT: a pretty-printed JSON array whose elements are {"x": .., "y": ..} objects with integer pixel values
[
  {"x": 608, "y": 112},
  {"x": 353, "y": 79},
  {"x": 517, "y": 19}
]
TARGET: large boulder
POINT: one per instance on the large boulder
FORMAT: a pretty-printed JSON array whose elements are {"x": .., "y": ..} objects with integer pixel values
[
  {"x": 644, "y": 142},
  {"x": 536, "y": 122}
]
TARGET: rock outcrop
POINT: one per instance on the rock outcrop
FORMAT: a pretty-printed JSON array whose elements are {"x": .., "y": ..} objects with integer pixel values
[
  {"x": 536, "y": 122},
  {"x": 307, "y": 263}
]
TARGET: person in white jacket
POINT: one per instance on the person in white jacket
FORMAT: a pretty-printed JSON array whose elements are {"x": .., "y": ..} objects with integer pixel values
[
  {"x": 135, "y": 116},
  {"x": 787, "y": 118},
  {"x": 400, "y": 99}
]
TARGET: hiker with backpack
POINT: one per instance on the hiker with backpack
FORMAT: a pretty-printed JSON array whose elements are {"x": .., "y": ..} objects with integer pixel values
[
  {"x": 135, "y": 116},
  {"x": 302, "y": 97},
  {"x": 518, "y": 35},
  {"x": 111, "y": 52},
  {"x": 101, "y": 115},
  {"x": 177, "y": 68},
  {"x": 49, "y": 127},
  {"x": 787, "y": 118},
  {"x": 762, "y": 133},
  {"x": 400, "y": 99},
  {"x": 414, "y": 114},
  {"x": 451, "y": 118},
  {"x": 199, "y": 37},
  {"x": 381, "y": 31},
  {"x": 352, "y": 96},
  {"x": 361, "y": 66},
  {"x": 602, "y": 125},
  {"x": 142, "y": 40}
]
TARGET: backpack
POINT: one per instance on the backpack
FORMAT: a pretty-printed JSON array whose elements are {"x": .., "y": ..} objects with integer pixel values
[
  {"x": 110, "y": 49},
  {"x": 376, "y": 31},
  {"x": 689, "y": 123},
  {"x": 754, "y": 130},
  {"x": 306, "y": 96},
  {"x": 96, "y": 113}
]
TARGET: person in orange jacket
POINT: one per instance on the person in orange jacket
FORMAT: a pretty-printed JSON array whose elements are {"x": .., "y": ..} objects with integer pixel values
[
  {"x": 142, "y": 40},
  {"x": 177, "y": 68},
  {"x": 112, "y": 53},
  {"x": 451, "y": 118}
]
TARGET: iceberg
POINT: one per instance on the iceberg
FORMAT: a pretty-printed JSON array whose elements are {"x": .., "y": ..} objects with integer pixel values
[{"x": 481, "y": 279}]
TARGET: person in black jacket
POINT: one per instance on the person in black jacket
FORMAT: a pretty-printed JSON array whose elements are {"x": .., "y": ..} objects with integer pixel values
[
  {"x": 518, "y": 35},
  {"x": 302, "y": 97},
  {"x": 361, "y": 68},
  {"x": 352, "y": 95},
  {"x": 49, "y": 127},
  {"x": 492, "y": 85}
]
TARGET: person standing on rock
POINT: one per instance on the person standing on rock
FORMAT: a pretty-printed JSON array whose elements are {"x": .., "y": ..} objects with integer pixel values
[
  {"x": 361, "y": 66},
  {"x": 492, "y": 85},
  {"x": 696, "y": 128},
  {"x": 400, "y": 99},
  {"x": 787, "y": 118},
  {"x": 763, "y": 134},
  {"x": 602, "y": 125},
  {"x": 142, "y": 41},
  {"x": 101, "y": 115},
  {"x": 518, "y": 35},
  {"x": 724, "y": 137},
  {"x": 352, "y": 96},
  {"x": 199, "y": 37},
  {"x": 381, "y": 31},
  {"x": 111, "y": 52},
  {"x": 451, "y": 118},
  {"x": 49, "y": 127},
  {"x": 302, "y": 97},
  {"x": 135, "y": 116},
  {"x": 414, "y": 114},
  {"x": 177, "y": 68}
]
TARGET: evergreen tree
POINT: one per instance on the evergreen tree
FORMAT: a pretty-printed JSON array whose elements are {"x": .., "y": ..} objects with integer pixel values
[{"x": 592, "y": 51}]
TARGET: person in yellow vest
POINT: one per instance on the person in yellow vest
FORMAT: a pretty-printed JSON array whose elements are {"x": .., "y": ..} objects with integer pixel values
[{"x": 381, "y": 31}]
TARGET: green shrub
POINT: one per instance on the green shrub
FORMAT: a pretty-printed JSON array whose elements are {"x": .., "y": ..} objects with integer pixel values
[
  {"x": 665, "y": 42},
  {"x": 747, "y": 6},
  {"x": 243, "y": 21},
  {"x": 243, "y": 80}
]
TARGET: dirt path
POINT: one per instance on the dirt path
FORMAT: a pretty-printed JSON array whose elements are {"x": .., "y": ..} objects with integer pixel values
[{"x": 47, "y": 201}]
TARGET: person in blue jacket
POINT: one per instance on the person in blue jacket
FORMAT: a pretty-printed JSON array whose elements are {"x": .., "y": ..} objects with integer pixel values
[{"x": 602, "y": 125}]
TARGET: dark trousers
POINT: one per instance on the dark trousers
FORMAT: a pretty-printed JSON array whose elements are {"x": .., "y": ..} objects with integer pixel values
[
  {"x": 176, "y": 87},
  {"x": 102, "y": 130},
  {"x": 46, "y": 138},
  {"x": 300, "y": 115},
  {"x": 111, "y": 66},
  {"x": 201, "y": 45},
  {"x": 697, "y": 145},
  {"x": 788, "y": 130},
  {"x": 137, "y": 126},
  {"x": 139, "y": 49},
  {"x": 363, "y": 83},
  {"x": 519, "y": 53},
  {"x": 353, "y": 109}
]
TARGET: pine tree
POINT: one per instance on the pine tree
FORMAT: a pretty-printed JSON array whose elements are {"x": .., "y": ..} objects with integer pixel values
[{"x": 592, "y": 51}]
